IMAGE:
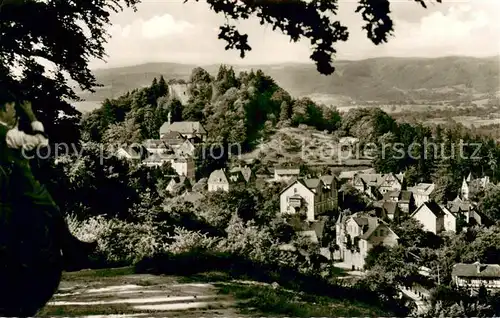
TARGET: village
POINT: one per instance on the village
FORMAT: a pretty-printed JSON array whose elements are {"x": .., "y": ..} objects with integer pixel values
[{"x": 315, "y": 199}]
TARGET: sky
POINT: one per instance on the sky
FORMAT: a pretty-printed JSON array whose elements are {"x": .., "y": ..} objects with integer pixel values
[{"x": 173, "y": 31}]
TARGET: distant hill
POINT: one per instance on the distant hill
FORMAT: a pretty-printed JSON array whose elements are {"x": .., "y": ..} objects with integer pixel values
[{"x": 380, "y": 79}]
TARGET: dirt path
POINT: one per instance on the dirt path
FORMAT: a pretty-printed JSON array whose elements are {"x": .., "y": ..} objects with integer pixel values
[{"x": 87, "y": 294}]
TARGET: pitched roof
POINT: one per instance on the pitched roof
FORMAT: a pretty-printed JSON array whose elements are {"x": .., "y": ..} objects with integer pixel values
[
  {"x": 371, "y": 225},
  {"x": 218, "y": 174},
  {"x": 312, "y": 183},
  {"x": 294, "y": 181},
  {"x": 132, "y": 152},
  {"x": 476, "y": 270},
  {"x": 183, "y": 127},
  {"x": 173, "y": 138},
  {"x": 373, "y": 228},
  {"x": 456, "y": 206},
  {"x": 361, "y": 221},
  {"x": 433, "y": 207},
  {"x": 245, "y": 171},
  {"x": 327, "y": 179},
  {"x": 371, "y": 179},
  {"x": 390, "y": 207}
]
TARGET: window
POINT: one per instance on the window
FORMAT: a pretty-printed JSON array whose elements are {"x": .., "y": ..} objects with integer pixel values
[{"x": 295, "y": 190}]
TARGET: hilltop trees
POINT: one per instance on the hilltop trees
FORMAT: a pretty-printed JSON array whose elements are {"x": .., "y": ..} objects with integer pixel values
[{"x": 69, "y": 34}]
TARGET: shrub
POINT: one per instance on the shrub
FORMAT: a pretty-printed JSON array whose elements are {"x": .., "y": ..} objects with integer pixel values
[
  {"x": 131, "y": 242},
  {"x": 118, "y": 241},
  {"x": 185, "y": 241}
]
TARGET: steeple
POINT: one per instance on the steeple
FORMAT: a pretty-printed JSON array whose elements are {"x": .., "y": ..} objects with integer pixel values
[
  {"x": 169, "y": 118},
  {"x": 469, "y": 177}
]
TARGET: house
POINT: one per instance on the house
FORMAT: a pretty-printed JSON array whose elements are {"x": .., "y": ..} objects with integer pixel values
[
  {"x": 178, "y": 184},
  {"x": 331, "y": 191},
  {"x": 388, "y": 209},
  {"x": 224, "y": 180},
  {"x": 285, "y": 174},
  {"x": 347, "y": 176},
  {"x": 450, "y": 219},
  {"x": 247, "y": 173},
  {"x": 134, "y": 154},
  {"x": 390, "y": 182},
  {"x": 375, "y": 184},
  {"x": 183, "y": 165},
  {"x": 357, "y": 234},
  {"x": 192, "y": 130},
  {"x": 178, "y": 144},
  {"x": 403, "y": 198},
  {"x": 470, "y": 186},
  {"x": 432, "y": 217},
  {"x": 466, "y": 210},
  {"x": 155, "y": 146},
  {"x": 172, "y": 138},
  {"x": 476, "y": 275},
  {"x": 186, "y": 148},
  {"x": 310, "y": 196},
  {"x": 422, "y": 192}
]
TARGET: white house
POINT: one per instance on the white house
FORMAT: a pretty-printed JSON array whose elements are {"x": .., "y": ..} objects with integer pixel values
[
  {"x": 422, "y": 192},
  {"x": 310, "y": 196},
  {"x": 130, "y": 153},
  {"x": 476, "y": 275},
  {"x": 432, "y": 217},
  {"x": 357, "y": 234},
  {"x": 285, "y": 174}
]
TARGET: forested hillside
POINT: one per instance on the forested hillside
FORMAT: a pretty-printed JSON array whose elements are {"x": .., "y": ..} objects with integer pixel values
[{"x": 233, "y": 108}]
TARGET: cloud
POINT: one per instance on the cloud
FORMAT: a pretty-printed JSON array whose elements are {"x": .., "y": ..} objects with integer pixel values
[
  {"x": 162, "y": 26},
  {"x": 177, "y": 32}
]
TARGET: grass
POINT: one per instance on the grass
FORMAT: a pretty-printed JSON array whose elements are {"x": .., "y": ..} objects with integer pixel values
[
  {"x": 267, "y": 300},
  {"x": 75, "y": 311}
]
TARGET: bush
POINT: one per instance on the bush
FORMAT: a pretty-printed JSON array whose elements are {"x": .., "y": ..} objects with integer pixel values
[
  {"x": 131, "y": 242},
  {"x": 185, "y": 241},
  {"x": 120, "y": 242}
]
